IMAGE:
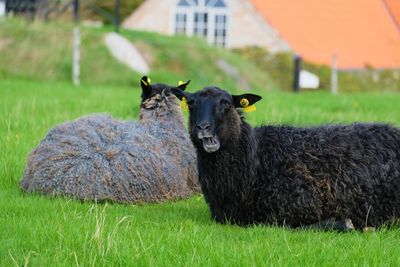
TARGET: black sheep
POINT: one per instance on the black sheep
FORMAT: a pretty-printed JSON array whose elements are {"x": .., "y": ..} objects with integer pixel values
[{"x": 327, "y": 176}]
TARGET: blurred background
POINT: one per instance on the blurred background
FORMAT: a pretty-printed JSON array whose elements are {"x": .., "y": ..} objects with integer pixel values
[
  {"x": 304, "y": 45},
  {"x": 313, "y": 62}
]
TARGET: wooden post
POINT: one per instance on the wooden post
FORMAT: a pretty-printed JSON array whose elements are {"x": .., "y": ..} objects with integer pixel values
[
  {"x": 296, "y": 74},
  {"x": 117, "y": 15},
  {"x": 76, "y": 45},
  {"x": 334, "y": 76}
]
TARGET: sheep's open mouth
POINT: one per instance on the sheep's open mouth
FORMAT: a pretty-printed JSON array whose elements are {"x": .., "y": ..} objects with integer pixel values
[{"x": 211, "y": 144}]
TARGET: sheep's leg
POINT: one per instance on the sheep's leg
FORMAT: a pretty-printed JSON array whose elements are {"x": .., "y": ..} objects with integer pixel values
[{"x": 332, "y": 224}]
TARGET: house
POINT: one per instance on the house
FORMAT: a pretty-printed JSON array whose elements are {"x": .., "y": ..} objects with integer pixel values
[
  {"x": 359, "y": 33},
  {"x": 229, "y": 23}
]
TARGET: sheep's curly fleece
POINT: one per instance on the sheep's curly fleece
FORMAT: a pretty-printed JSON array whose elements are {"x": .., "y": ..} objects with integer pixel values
[
  {"x": 298, "y": 176},
  {"x": 100, "y": 158}
]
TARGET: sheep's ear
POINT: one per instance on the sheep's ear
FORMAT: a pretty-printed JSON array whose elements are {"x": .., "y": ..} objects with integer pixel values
[
  {"x": 179, "y": 93},
  {"x": 183, "y": 96},
  {"x": 246, "y": 101},
  {"x": 145, "y": 83},
  {"x": 183, "y": 85}
]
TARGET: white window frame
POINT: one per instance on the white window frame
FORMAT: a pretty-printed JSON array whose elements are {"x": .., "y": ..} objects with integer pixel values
[
  {"x": 180, "y": 24},
  {"x": 219, "y": 28},
  {"x": 211, "y": 11},
  {"x": 201, "y": 25}
]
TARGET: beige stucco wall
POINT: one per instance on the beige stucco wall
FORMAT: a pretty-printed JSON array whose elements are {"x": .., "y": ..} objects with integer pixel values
[
  {"x": 152, "y": 15},
  {"x": 246, "y": 27}
]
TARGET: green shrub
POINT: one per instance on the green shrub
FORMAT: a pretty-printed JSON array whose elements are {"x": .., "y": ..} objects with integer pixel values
[
  {"x": 126, "y": 8},
  {"x": 280, "y": 67}
]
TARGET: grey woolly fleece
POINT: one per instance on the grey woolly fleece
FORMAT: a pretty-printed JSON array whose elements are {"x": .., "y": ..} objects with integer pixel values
[{"x": 100, "y": 158}]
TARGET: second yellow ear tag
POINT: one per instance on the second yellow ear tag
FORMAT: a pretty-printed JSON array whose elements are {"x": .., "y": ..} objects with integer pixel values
[
  {"x": 184, "y": 105},
  {"x": 244, "y": 102},
  {"x": 250, "y": 108}
]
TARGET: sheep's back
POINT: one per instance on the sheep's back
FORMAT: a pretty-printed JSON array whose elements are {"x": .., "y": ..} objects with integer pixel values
[
  {"x": 331, "y": 171},
  {"x": 100, "y": 158}
]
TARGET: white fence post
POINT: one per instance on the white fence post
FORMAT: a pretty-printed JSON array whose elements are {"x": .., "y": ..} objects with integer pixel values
[
  {"x": 76, "y": 56},
  {"x": 334, "y": 76},
  {"x": 76, "y": 45}
]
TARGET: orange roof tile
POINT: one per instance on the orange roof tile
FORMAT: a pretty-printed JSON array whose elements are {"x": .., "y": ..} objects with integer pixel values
[
  {"x": 394, "y": 9},
  {"x": 359, "y": 32}
]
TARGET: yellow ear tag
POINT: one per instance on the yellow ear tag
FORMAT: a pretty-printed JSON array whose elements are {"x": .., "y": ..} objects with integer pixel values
[
  {"x": 244, "y": 102},
  {"x": 250, "y": 108},
  {"x": 184, "y": 105},
  {"x": 180, "y": 83},
  {"x": 146, "y": 83}
]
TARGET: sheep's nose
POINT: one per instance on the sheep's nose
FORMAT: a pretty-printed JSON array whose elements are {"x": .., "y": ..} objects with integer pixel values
[{"x": 203, "y": 126}]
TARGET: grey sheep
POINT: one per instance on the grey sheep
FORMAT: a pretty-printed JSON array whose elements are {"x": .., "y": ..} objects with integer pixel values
[{"x": 100, "y": 158}]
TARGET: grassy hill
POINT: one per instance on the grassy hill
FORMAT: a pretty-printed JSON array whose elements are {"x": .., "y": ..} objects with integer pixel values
[
  {"x": 36, "y": 93},
  {"x": 43, "y": 52}
]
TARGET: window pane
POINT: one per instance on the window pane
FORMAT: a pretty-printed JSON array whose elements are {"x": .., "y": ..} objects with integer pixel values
[
  {"x": 200, "y": 24},
  {"x": 188, "y": 3},
  {"x": 215, "y": 3},
  {"x": 180, "y": 23},
  {"x": 220, "y": 30},
  {"x": 183, "y": 3},
  {"x": 220, "y": 3}
]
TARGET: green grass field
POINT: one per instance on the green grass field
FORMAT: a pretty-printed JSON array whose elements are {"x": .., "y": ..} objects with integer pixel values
[
  {"x": 40, "y": 231},
  {"x": 36, "y": 94}
]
